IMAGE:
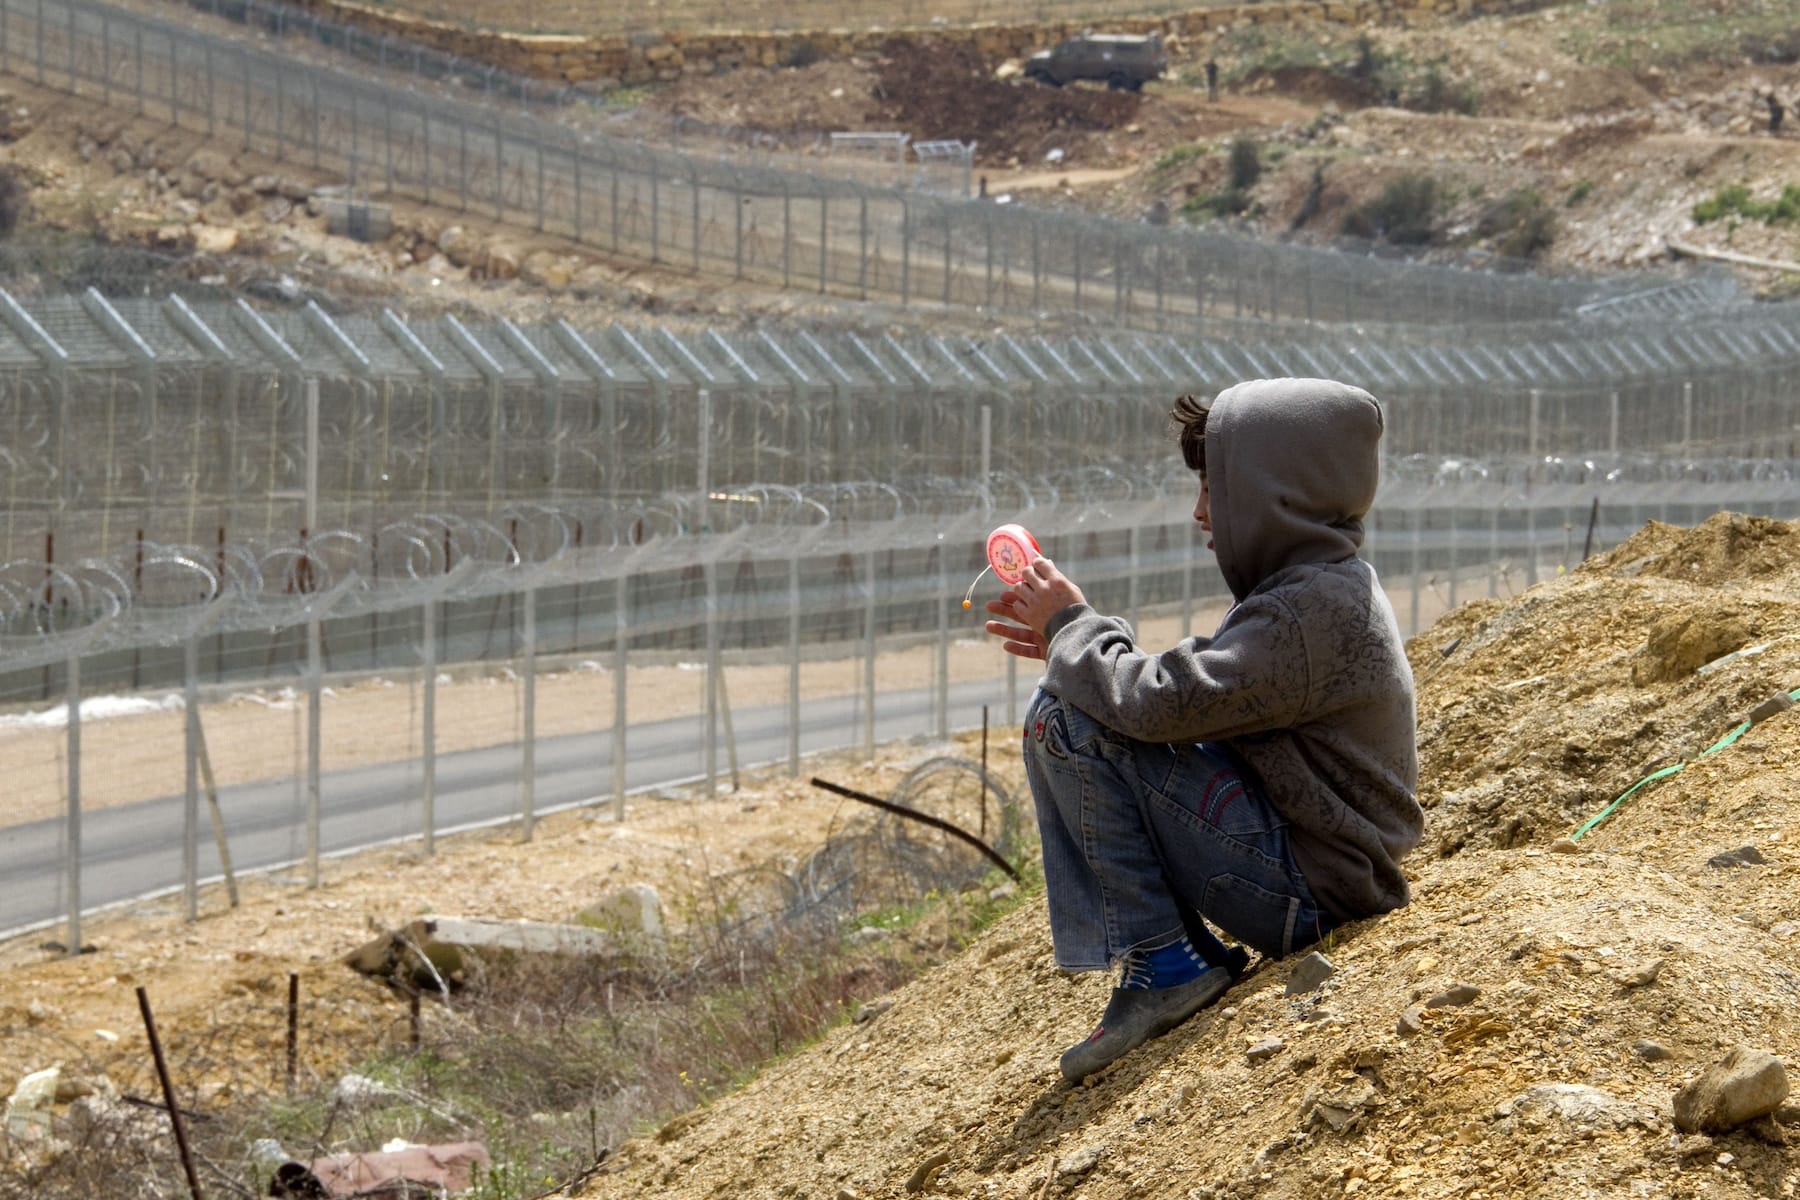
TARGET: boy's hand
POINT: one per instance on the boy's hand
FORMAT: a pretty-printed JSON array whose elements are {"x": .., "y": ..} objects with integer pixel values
[
  {"x": 1043, "y": 592},
  {"x": 1020, "y": 640}
]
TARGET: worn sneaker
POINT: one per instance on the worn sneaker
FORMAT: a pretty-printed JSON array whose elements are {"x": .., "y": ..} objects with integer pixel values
[{"x": 1135, "y": 1015}]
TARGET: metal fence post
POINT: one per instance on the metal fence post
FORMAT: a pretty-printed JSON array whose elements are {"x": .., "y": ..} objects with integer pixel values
[
  {"x": 249, "y": 119},
  {"x": 869, "y": 656},
  {"x": 428, "y": 725},
  {"x": 280, "y": 112},
  {"x": 73, "y": 691},
  {"x": 314, "y": 650},
  {"x": 1454, "y": 548},
  {"x": 793, "y": 634},
  {"x": 539, "y": 147},
  {"x": 190, "y": 812},
  {"x": 579, "y": 229},
  {"x": 787, "y": 232},
  {"x": 947, "y": 240},
  {"x": 425, "y": 150},
  {"x": 621, "y": 639},
  {"x": 694, "y": 193},
  {"x": 528, "y": 735},
  {"x": 1418, "y": 567},
  {"x": 862, "y": 245},
  {"x": 943, "y": 647},
  {"x": 1134, "y": 583},
  {"x": 655, "y": 213}
]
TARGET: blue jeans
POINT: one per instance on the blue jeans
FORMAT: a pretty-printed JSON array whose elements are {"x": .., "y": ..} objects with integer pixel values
[{"x": 1134, "y": 831}]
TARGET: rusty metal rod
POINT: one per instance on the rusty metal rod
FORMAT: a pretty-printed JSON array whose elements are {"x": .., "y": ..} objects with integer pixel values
[
  {"x": 915, "y": 815},
  {"x": 293, "y": 1028},
  {"x": 162, "y": 1073}
]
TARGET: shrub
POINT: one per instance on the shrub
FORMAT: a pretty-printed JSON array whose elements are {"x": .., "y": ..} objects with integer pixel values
[
  {"x": 803, "y": 53},
  {"x": 15, "y": 198},
  {"x": 1736, "y": 201},
  {"x": 1245, "y": 164},
  {"x": 1178, "y": 157},
  {"x": 1521, "y": 224},
  {"x": 1437, "y": 93},
  {"x": 1228, "y": 203},
  {"x": 1405, "y": 213}
]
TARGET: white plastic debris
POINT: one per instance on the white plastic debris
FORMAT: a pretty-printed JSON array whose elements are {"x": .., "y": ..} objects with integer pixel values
[{"x": 28, "y": 1108}]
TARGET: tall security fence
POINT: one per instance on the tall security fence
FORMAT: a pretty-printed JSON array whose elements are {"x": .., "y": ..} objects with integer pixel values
[
  {"x": 138, "y": 420},
  {"x": 295, "y": 687},
  {"x": 742, "y": 221}
]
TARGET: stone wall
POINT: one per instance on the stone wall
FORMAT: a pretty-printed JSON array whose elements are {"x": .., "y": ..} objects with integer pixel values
[{"x": 603, "y": 62}]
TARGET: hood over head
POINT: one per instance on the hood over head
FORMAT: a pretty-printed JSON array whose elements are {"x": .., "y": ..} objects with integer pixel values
[{"x": 1292, "y": 466}]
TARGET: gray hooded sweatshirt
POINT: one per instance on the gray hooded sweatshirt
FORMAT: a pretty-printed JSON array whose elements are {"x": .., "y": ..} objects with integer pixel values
[{"x": 1306, "y": 678}]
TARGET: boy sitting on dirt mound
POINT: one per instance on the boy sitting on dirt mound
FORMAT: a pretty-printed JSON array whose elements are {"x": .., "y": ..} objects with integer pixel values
[{"x": 1262, "y": 778}]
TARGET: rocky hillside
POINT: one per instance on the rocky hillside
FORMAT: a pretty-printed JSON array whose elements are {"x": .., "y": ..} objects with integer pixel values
[
  {"x": 1528, "y": 1028},
  {"x": 1573, "y": 137},
  {"x": 1576, "y": 136}
]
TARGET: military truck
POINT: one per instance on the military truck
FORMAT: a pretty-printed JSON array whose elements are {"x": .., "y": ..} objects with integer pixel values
[{"x": 1122, "y": 61}]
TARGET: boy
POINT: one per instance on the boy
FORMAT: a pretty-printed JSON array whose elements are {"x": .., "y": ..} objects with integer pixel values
[{"x": 1262, "y": 778}]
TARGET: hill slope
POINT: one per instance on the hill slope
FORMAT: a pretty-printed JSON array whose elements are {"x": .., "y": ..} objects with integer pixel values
[{"x": 1606, "y": 973}]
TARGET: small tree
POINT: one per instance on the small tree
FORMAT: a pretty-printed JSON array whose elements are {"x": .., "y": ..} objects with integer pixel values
[{"x": 1245, "y": 164}]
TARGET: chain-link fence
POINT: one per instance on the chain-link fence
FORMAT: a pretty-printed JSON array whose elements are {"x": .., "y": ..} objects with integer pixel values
[
  {"x": 403, "y": 575},
  {"x": 434, "y": 673},
  {"x": 136, "y": 420},
  {"x": 736, "y": 220}
]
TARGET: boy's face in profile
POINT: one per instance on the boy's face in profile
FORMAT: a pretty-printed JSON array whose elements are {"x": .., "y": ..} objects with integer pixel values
[{"x": 1203, "y": 509}]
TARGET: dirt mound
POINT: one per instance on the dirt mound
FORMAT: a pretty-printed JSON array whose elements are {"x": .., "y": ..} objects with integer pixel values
[
  {"x": 930, "y": 92},
  {"x": 1519, "y": 1030},
  {"x": 1535, "y": 714},
  {"x": 1592, "y": 138},
  {"x": 1315, "y": 85},
  {"x": 949, "y": 91},
  {"x": 1727, "y": 548}
]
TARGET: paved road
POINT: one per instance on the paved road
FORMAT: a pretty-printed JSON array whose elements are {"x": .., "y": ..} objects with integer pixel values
[{"x": 133, "y": 851}]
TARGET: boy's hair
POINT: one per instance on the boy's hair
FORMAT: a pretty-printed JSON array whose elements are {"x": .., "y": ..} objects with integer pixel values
[{"x": 1189, "y": 419}]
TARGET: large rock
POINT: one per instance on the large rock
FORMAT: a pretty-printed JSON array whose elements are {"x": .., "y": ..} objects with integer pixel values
[
  {"x": 216, "y": 167},
  {"x": 214, "y": 239},
  {"x": 461, "y": 247},
  {"x": 633, "y": 911},
  {"x": 1744, "y": 1085},
  {"x": 1682, "y": 643},
  {"x": 502, "y": 262}
]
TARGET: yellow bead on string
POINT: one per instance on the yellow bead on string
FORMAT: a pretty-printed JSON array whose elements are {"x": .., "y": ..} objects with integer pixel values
[{"x": 968, "y": 600}]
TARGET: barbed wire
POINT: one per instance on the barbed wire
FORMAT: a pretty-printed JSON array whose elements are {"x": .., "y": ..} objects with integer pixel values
[{"x": 157, "y": 593}]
